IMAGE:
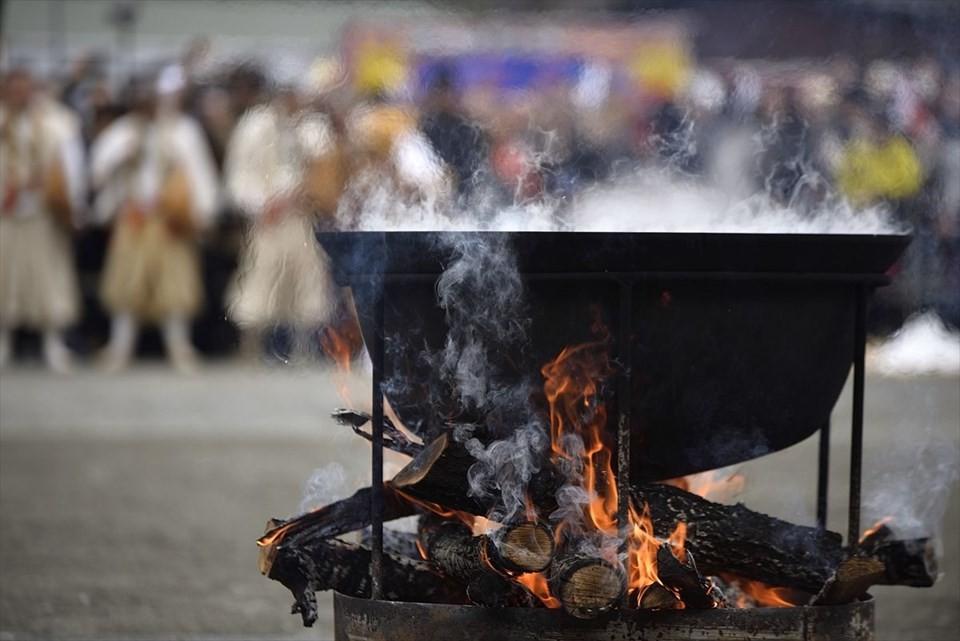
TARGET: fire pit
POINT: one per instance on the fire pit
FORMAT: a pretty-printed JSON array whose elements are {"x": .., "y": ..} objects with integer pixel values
[{"x": 709, "y": 349}]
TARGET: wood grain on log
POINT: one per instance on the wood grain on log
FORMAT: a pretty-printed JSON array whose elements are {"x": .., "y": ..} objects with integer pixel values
[{"x": 587, "y": 586}]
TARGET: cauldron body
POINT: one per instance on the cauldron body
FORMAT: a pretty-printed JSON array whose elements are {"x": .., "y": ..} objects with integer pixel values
[{"x": 739, "y": 344}]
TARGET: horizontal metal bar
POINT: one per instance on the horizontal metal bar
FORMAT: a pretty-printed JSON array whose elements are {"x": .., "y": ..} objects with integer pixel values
[{"x": 813, "y": 277}]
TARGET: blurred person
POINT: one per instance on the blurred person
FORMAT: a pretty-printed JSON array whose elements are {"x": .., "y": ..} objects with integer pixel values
[
  {"x": 283, "y": 171},
  {"x": 458, "y": 141},
  {"x": 43, "y": 182},
  {"x": 394, "y": 171},
  {"x": 156, "y": 182},
  {"x": 878, "y": 163}
]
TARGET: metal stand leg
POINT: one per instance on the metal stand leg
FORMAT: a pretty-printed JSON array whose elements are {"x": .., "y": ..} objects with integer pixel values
[
  {"x": 376, "y": 455},
  {"x": 823, "y": 476},
  {"x": 623, "y": 409},
  {"x": 856, "y": 443}
]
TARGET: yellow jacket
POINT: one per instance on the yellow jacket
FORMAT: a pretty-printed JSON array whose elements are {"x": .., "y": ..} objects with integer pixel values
[{"x": 870, "y": 171}]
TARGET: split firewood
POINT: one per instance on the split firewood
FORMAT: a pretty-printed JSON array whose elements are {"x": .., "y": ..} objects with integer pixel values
[
  {"x": 851, "y": 580},
  {"x": 655, "y": 597},
  {"x": 587, "y": 586},
  {"x": 514, "y": 549},
  {"x": 683, "y": 579},
  {"x": 335, "y": 565},
  {"x": 492, "y": 590},
  {"x": 340, "y": 517},
  {"x": 393, "y": 438}
]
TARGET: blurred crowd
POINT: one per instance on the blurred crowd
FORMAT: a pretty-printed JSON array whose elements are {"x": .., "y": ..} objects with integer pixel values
[{"x": 185, "y": 202}]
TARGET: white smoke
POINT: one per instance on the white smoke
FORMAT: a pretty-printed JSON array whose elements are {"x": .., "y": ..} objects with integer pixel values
[{"x": 325, "y": 485}]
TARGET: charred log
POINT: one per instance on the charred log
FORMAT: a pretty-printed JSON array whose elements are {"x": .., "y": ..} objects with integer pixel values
[
  {"x": 735, "y": 539},
  {"x": 911, "y": 562},
  {"x": 514, "y": 549},
  {"x": 335, "y": 565}
]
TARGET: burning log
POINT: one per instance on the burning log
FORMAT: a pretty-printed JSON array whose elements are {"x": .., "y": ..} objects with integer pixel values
[
  {"x": 347, "y": 515},
  {"x": 393, "y": 438},
  {"x": 683, "y": 579},
  {"x": 735, "y": 539},
  {"x": 587, "y": 586},
  {"x": 514, "y": 549},
  {"x": 335, "y": 565}
]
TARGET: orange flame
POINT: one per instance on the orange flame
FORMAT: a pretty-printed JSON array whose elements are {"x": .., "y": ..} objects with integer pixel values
[
  {"x": 678, "y": 541},
  {"x": 713, "y": 484},
  {"x": 642, "y": 549},
  {"x": 760, "y": 595},
  {"x": 873, "y": 529},
  {"x": 571, "y": 386},
  {"x": 536, "y": 582},
  {"x": 338, "y": 347}
]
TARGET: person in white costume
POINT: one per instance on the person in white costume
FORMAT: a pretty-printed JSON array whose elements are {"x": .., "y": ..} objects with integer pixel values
[
  {"x": 282, "y": 170},
  {"x": 156, "y": 182},
  {"x": 43, "y": 183}
]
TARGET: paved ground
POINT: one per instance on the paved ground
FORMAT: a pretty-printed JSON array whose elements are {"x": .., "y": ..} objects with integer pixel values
[{"x": 129, "y": 505}]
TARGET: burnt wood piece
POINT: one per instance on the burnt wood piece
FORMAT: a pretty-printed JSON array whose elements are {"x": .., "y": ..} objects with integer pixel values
[
  {"x": 514, "y": 549},
  {"x": 393, "y": 438},
  {"x": 344, "y": 567},
  {"x": 439, "y": 475},
  {"x": 851, "y": 581},
  {"x": 587, "y": 586},
  {"x": 340, "y": 517},
  {"x": 492, "y": 590},
  {"x": 911, "y": 562},
  {"x": 655, "y": 597},
  {"x": 684, "y": 580}
]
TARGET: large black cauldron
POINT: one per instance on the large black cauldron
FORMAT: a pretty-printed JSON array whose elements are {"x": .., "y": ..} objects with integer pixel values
[{"x": 739, "y": 343}]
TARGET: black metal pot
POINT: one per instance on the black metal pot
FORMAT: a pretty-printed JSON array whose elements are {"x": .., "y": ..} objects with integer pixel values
[{"x": 739, "y": 344}]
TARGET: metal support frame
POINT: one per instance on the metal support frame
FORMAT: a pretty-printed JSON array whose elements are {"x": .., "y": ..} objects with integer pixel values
[
  {"x": 376, "y": 455},
  {"x": 823, "y": 476},
  {"x": 856, "y": 440},
  {"x": 862, "y": 285},
  {"x": 623, "y": 409}
]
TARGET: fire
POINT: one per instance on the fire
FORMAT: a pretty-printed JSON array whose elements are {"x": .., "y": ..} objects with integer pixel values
[
  {"x": 715, "y": 485},
  {"x": 338, "y": 347},
  {"x": 642, "y": 550},
  {"x": 761, "y": 595},
  {"x": 873, "y": 529},
  {"x": 537, "y": 584},
  {"x": 578, "y": 415}
]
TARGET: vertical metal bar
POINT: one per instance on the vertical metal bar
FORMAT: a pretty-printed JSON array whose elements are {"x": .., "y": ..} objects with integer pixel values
[
  {"x": 856, "y": 441},
  {"x": 823, "y": 476},
  {"x": 376, "y": 455},
  {"x": 623, "y": 406}
]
